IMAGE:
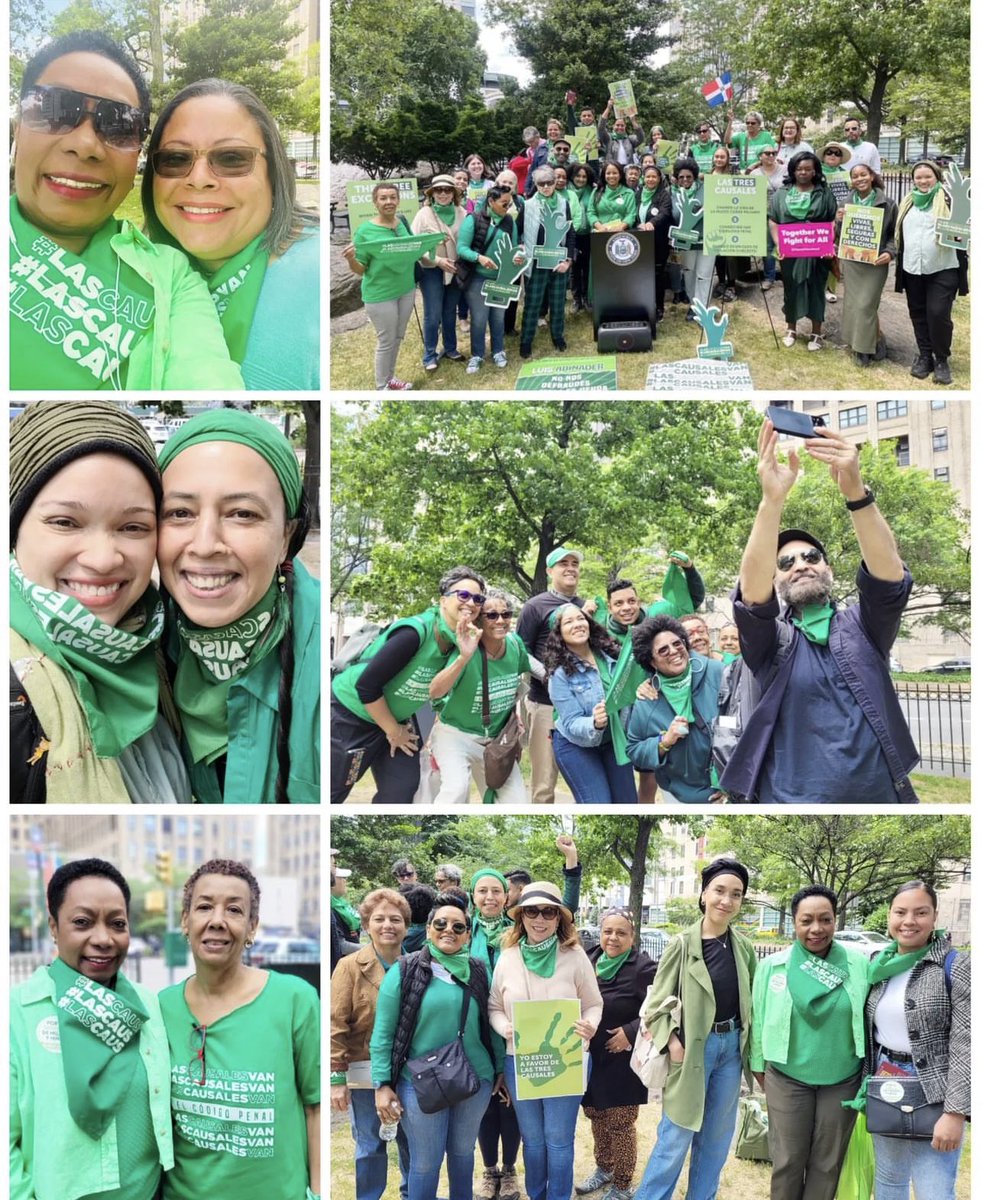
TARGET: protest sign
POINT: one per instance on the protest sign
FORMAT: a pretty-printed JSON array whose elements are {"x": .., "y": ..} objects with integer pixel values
[
  {"x": 499, "y": 292},
  {"x": 553, "y": 250},
  {"x": 622, "y": 94},
  {"x": 954, "y": 231},
  {"x": 735, "y": 215},
  {"x": 585, "y": 143},
  {"x": 665, "y": 153},
  {"x": 549, "y": 1057},
  {"x": 714, "y": 326},
  {"x": 806, "y": 239},
  {"x": 597, "y": 374},
  {"x": 360, "y": 207},
  {"x": 698, "y": 374},
  {"x": 840, "y": 189},
  {"x": 861, "y": 229},
  {"x": 687, "y": 234}
]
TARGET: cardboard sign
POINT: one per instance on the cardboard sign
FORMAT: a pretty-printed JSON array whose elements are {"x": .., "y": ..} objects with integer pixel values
[
  {"x": 861, "y": 229},
  {"x": 585, "y": 143},
  {"x": 499, "y": 292},
  {"x": 359, "y": 204},
  {"x": 714, "y": 326},
  {"x": 698, "y": 374},
  {"x": 622, "y": 95},
  {"x": 806, "y": 239},
  {"x": 954, "y": 231},
  {"x": 549, "y": 1056},
  {"x": 411, "y": 247},
  {"x": 735, "y": 215},
  {"x": 597, "y": 374}
]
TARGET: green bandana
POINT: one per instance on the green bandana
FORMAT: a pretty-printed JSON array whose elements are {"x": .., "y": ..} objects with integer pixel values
[
  {"x": 542, "y": 957},
  {"x": 99, "y": 1030},
  {"x": 494, "y": 928},
  {"x": 78, "y": 317},
  {"x": 457, "y": 964},
  {"x": 890, "y": 962},
  {"x": 647, "y": 195},
  {"x": 446, "y": 213},
  {"x": 798, "y": 203},
  {"x": 113, "y": 668},
  {"x": 209, "y": 661},
  {"x": 677, "y": 692},
  {"x": 813, "y": 981},
  {"x": 347, "y": 913},
  {"x": 618, "y": 735},
  {"x": 814, "y": 622},
  {"x": 235, "y": 289},
  {"x": 855, "y": 198},
  {"x": 924, "y": 200},
  {"x": 728, "y": 657},
  {"x": 606, "y": 967}
]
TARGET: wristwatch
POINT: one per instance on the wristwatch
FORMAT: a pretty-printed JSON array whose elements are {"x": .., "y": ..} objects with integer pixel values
[{"x": 867, "y": 499}]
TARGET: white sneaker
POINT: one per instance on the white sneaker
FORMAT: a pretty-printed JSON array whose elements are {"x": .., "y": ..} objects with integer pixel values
[
  {"x": 500, "y": 360},
  {"x": 831, "y": 298},
  {"x": 789, "y": 338},
  {"x": 766, "y": 285},
  {"x": 474, "y": 365}
]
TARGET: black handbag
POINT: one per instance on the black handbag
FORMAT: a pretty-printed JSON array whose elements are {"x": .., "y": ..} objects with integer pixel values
[
  {"x": 444, "y": 1076},
  {"x": 896, "y": 1106},
  {"x": 503, "y": 751}
]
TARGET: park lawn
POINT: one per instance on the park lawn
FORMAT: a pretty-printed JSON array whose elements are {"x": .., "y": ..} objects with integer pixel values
[
  {"x": 941, "y": 789},
  {"x": 771, "y": 366}
]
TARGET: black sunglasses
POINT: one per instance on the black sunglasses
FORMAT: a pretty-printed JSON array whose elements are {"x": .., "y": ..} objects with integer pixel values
[
  {"x": 812, "y": 556},
  {"x": 59, "y": 110},
  {"x": 227, "y": 162},
  {"x": 549, "y": 911},
  {"x": 831, "y": 150},
  {"x": 440, "y": 924},
  {"x": 464, "y": 595},
  {"x": 505, "y": 615}
]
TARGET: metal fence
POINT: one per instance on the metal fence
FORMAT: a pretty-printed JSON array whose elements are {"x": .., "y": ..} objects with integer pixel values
[
  {"x": 939, "y": 718},
  {"x": 23, "y": 965}
]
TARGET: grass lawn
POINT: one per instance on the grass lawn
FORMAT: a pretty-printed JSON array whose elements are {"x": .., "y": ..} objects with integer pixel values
[
  {"x": 771, "y": 366},
  {"x": 740, "y": 1180}
]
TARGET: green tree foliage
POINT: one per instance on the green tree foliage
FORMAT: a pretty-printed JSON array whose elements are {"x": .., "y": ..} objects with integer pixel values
[{"x": 104, "y": 15}]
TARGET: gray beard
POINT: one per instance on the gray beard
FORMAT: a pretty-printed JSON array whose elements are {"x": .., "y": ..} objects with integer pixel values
[{"x": 805, "y": 591}]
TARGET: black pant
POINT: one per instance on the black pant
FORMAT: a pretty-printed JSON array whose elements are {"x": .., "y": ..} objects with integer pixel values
[
  {"x": 930, "y": 299},
  {"x": 580, "y": 268},
  {"x": 356, "y": 745},
  {"x": 499, "y": 1124}
]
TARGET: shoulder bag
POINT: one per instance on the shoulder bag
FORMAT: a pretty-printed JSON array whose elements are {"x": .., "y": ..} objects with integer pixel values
[
  {"x": 444, "y": 1076},
  {"x": 649, "y": 1064}
]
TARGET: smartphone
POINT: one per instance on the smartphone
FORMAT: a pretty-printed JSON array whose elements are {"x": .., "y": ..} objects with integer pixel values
[{"x": 797, "y": 424}]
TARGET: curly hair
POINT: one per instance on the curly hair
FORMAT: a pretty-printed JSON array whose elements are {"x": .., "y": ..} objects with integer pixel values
[
  {"x": 557, "y": 655},
  {"x": 800, "y": 156},
  {"x": 643, "y": 636},
  {"x": 223, "y": 866},
  {"x": 385, "y": 895},
  {"x": 83, "y": 868}
]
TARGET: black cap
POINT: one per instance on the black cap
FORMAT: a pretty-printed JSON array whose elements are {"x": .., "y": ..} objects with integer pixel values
[{"x": 799, "y": 535}]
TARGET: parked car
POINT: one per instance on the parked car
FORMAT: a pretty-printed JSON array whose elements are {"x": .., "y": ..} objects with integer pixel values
[
  {"x": 653, "y": 941},
  {"x": 589, "y": 936},
  {"x": 284, "y": 950},
  {"x": 139, "y": 947},
  {"x": 865, "y": 941},
  {"x": 947, "y": 667}
]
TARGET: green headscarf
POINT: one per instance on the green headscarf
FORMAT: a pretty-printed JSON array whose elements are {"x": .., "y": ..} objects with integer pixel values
[{"x": 493, "y": 927}]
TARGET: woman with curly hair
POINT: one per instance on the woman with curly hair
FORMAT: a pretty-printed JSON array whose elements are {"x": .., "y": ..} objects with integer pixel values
[
  {"x": 865, "y": 281},
  {"x": 580, "y": 657}
]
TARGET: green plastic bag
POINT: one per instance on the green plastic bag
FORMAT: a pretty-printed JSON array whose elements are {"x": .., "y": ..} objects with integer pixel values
[
  {"x": 858, "y": 1170},
  {"x": 752, "y": 1132}
]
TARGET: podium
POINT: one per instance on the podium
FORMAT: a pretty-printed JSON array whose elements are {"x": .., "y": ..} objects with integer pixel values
[{"x": 623, "y": 289}]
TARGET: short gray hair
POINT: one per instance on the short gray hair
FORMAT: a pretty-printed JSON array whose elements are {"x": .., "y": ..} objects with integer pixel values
[
  {"x": 758, "y": 116},
  {"x": 529, "y": 132},
  {"x": 451, "y": 871},
  {"x": 543, "y": 175}
]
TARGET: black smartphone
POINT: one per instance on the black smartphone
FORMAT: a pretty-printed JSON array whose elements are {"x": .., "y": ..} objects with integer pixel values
[{"x": 788, "y": 420}]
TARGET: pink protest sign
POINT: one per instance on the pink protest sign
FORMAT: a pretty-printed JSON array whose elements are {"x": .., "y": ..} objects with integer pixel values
[{"x": 806, "y": 240}]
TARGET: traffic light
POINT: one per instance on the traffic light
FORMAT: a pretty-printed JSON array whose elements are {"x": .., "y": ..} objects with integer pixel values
[{"x": 164, "y": 869}]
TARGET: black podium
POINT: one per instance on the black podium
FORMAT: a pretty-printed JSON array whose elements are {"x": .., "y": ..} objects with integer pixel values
[{"x": 624, "y": 301}]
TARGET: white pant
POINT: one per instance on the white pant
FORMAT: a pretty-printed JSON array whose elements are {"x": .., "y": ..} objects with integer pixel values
[
  {"x": 698, "y": 268},
  {"x": 461, "y": 756}
]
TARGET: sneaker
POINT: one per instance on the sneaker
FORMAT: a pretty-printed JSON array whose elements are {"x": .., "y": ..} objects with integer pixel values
[
  {"x": 816, "y": 342},
  {"x": 431, "y": 364},
  {"x": 486, "y": 1189},
  {"x": 922, "y": 366},
  {"x": 690, "y": 316},
  {"x": 831, "y": 298},
  {"x": 616, "y": 1193},
  {"x": 789, "y": 338},
  {"x": 766, "y": 285},
  {"x": 453, "y": 355},
  {"x": 525, "y": 349},
  {"x": 474, "y": 365},
  {"x": 542, "y": 322},
  {"x": 500, "y": 360},
  {"x": 464, "y": 326},
  {"x": 398, "y": 385},
  {"x": 729, "y": 294},
  {"x": 659, "y": 315},
  {"x": 941, "y": 371},
  {"x": 881, "y": 351},
  {"x": 598, "y": 1179},
  {"x": 509, "y": 1189}
]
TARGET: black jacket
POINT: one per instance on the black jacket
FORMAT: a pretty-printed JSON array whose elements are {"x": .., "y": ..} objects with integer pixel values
[
  {"x": 612, "y": 1083},
  {"x": 28, "y": 784}
]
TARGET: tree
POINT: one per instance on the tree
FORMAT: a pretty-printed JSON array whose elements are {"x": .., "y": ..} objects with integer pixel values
[
  {"x": 104, "y": 15},
  {"x": 308, "y": 99}
]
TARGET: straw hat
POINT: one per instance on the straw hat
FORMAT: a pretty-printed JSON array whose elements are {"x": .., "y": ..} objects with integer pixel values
[
  {"x": 845, "y": 152},
  {"x": 542, "y": 893},
  {"x": 444, "y": 181}
]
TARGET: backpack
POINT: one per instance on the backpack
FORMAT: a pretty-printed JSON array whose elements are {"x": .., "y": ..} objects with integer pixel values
[{"x": 352, "y": 650}]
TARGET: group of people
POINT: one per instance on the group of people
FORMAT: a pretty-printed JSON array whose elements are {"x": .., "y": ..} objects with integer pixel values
[
  {"x": 211, "y": 1088},
  {"x": 218, "y": 289},
  {"x": 811, "y": 1024},
  {"x": 206, "y": 688},
  {"x": 797, "y": 706},
  {"x": 532, "y": 222}
]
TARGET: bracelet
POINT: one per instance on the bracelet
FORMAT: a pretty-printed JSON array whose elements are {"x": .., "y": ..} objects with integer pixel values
[
  {"x": 338, "y": 1077},
  {"x": 867, "y": 499}
]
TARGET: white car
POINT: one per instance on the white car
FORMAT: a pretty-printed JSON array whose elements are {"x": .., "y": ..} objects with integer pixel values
[
  {"x": 157, "y": 431},
  {"x": 865, "y": 941}
]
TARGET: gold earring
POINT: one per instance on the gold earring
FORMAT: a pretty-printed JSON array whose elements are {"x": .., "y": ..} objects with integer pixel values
[{"x": 249, "y": 943}]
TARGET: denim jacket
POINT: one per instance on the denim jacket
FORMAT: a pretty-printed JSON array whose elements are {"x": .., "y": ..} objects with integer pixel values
[{"x": 574, "y": 698}]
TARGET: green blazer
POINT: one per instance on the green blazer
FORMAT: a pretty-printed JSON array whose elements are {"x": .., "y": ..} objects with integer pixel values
[{"x": 684, "y": 1092}]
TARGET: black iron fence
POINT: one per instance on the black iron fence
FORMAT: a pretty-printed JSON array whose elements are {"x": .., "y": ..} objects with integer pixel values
[{"x": 939, "y": 718}]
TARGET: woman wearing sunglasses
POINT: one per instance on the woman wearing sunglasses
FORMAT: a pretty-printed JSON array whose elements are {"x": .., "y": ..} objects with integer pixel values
[
  {"x": 442, "y": 213},
  {"x": 375, "y": 698},
  {"x": 244, "y": 1055},
  {"x": 541, "y": 959},
  {"x": 93, "y": 303},
  {"x": 460, "y": 735},
  {"x": 426, "y": 998},
  {"x": 218, "y": 186},
  {"x": 89, "y": 1105}
]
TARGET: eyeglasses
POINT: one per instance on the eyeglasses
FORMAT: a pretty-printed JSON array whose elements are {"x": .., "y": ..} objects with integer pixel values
[
  {"x": 225, "y": 162},
  {"x": 199, "y": 1035},
  {"x": 834, "y": 153},
  {"x": 543, "y": 186},
  {"x": 440, "y": 924},
  {"x": 767, "y": 153},
  {"x": 444, "y": 188},
  {"x": 549, "y": 911},
  {"x": 59, "y": 110},
  {"x": 505, "y": 615},
  {"x": 670, "y": 648},
  {"x": 404, "y": 874},
  {"x": 812, "y": 556},
  {"x": 750, "y": 121},
  {"x": 465, "y": 596}
]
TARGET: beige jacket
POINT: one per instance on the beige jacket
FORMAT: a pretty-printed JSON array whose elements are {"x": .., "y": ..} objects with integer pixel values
[
  {"x": 574, "y": 979},
  {"x": 426, "y": 221},
  {"x": 353, "y": 1000}
]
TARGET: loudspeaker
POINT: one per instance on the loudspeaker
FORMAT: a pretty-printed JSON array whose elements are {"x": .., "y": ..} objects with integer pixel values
[{"x": 623, "y": 336}]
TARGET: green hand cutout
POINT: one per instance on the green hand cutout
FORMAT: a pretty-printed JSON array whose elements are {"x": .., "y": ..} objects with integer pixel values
[
  {"x": 685, "y": 235},
  {"x": 714, "y": 328},
  {"x": 502, "y": 255},
  {"x": 954, "y": 231}
]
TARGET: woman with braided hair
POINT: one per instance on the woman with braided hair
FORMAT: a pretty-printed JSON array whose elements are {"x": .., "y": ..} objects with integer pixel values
[{"x": 245, "y": 637}]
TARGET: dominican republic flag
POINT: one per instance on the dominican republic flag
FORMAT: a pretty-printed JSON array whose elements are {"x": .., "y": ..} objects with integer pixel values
[{"x": 718, "y": 90}]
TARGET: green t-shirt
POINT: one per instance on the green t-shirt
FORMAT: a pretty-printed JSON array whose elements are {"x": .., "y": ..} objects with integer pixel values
[
  {"x": 748, "y": 148},
  {"x": 241, "y": 1135},
  {"x": 388, "y": 275},
  {"x": 462, "y": 707},
  {"x": 139, "y": 1159},
  {"x": 703, "y": 155}
]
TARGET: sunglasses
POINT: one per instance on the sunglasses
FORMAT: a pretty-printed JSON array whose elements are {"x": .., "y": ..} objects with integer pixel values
[
  {"x": 549, "y": 912},
  {"x": 440, "y": 924},
  {"x": 506, "y": 615},
  {"x": 199, "y": 1035},
  {"x": 228, "y": 162},
  {"x": 405, "y": 874},
  {"x": 812, "y": 556},
  {"x": 464, "y": 595},
  {"x": 60, "y": 110},
  {"x": 670, "y": 648},
  {"x": 833, "y": 153}
]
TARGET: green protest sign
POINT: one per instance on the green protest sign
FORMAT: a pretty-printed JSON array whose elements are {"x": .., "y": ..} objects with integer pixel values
[
  {"x": 553, "y": 250},
  {"x": 714, "y": 327},
  {"x": 735, "y": 215},
  {"x": 360, "y": 207},
  {"x": 686, "y": 235},
  {"x": 411, "y": 247},
  {"x": 585, "y": 143},
  {"x": 622, "y": 95},
  {"x": 499, "y": 292},
  {"x": 665, "y": 152},
  {"x": 861, "y": 231},
  {"x": 954, "y": 231},
  {"x": 598, "y": 374},
  {"x": 549, "y": 1057},
  {"x": 627, "y": 677}
]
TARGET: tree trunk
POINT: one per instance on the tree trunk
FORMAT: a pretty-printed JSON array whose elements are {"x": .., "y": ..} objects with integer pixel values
[
  {"x": 156, "y": 48},
  {"x": 311, "y": 471},
  {"x": 877, "y": 96},
  {"x": 638, "y": 869}
]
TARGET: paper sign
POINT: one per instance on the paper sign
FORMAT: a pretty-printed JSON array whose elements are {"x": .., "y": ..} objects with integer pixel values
[
  {"x": 499, "y": 292},
  {"x": 696, "y": 374},
  {"x": 861, "y": 229},
  {"x": 840, "y": 189},
  {"x": 735, "y": 215},
  {"x": 714, "y": 326},
  {"x": 806, "y": 239},
  {"x": 622, "y": 94},
  {"x": 598, "y": 374},
  {"x": 360, "y": 207},
  {"x": 549, "y": 1056},
  {"x": 585, "y": 144}
]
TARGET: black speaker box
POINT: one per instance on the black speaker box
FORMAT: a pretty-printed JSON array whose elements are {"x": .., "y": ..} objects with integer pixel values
[{"x": 618, "y": 337}]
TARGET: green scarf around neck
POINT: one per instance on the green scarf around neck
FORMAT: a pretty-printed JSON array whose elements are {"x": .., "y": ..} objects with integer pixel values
[
  {"x": 235, "y": 289},
  {"x": 446, "y": 213},
  {"x": 112, "y": 668},
  {"x": 607, "y": 968},
  {"x": 924, "y": 200},
  {"x": 728, "y": 657},
  {"x": 540, "y": 958},
  {"x": 211, "y": 659},
  {"x": 494, "y": 928},
  {"x": 813, "y": 981},
  {"x": 458, "y": 964},
  {"x": 99, "y": 1030},
  {"x": 814, "y": 622},
  {"x": 855, "y": 198},
  {"x": 677, "y": 691},
  {"x": 798, "y": 203},
  {"x": 347, "y": 913},
  {"x": 891, "y": 961}
]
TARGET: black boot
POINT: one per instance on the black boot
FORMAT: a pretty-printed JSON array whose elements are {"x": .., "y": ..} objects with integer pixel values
[
  {"x": 941, "y": 371},
  {"x": 922, "y": 366}
]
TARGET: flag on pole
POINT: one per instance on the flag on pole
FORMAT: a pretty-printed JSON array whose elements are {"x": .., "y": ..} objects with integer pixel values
[{"x": 718, "y": 90}]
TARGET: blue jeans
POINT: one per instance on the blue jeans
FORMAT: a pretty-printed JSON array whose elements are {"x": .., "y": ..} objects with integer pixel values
[
  {"x": 480, "y": 317},
  {"x": 370, "y": 1152},
  {"x": 439, "y": 301},
  {"x": 710, "y": 1144},
  {"x": 451, "y": 1133},
  {"x": 548, "y": 1140},
  {"x": 593, "y": 773}
]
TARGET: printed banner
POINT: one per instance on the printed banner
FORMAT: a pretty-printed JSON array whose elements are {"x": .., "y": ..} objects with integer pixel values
[
  {"x": 806, "y": 239},
  {"x": 622, "y": 95},
  {"x": 598, "y": 374},
  {"x": 411, "y": 247},
  {"x": 361, "y": 209},
  {"x": 840, "y": 189},
  {"x": 549, "y": 1056},
  {"x": 698, "y": 374},
  {"x": 735, "y": 215},
  {"x": 861, "y": 229}
]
